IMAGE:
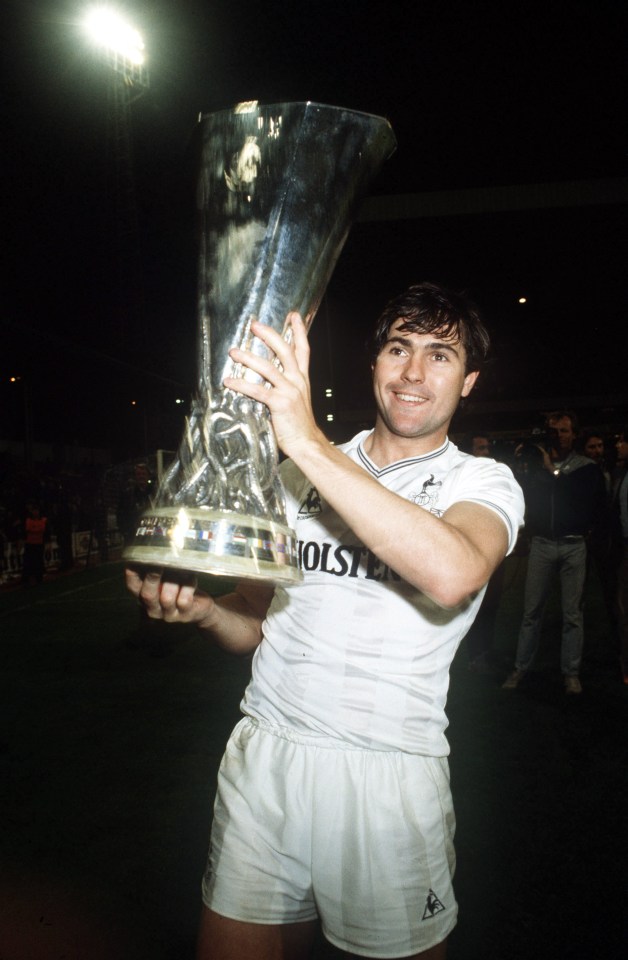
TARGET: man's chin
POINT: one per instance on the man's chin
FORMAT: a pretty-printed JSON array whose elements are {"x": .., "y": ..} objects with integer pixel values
[{"x": 414, "y": 430}]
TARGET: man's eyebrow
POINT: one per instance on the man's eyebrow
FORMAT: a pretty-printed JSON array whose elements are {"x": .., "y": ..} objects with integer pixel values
[{"x": 442, "y": 345}]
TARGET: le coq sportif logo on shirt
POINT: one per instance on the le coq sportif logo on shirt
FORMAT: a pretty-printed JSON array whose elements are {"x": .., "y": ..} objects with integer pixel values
[{"x": 311, "y": 506}]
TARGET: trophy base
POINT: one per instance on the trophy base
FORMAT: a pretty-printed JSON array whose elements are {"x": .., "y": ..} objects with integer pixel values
[{"x": 217, "y": 542}]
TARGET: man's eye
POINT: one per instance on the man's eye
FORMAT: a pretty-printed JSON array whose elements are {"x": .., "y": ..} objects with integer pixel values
[{"x": 440, "y": 356}]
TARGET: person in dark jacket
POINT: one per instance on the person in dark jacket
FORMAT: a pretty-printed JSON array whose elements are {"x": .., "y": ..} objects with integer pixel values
[
  {"x": 601, "y": 549},
  {"x": 620, "y": 546},
  {"x": 564, "y": 496}
]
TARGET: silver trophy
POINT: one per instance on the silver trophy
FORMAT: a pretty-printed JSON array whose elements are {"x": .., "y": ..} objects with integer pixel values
[{"x": 278, "y": 190}]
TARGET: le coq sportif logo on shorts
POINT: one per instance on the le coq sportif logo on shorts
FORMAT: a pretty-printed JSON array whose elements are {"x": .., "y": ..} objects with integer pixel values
[{"x": 432, "y": 906}]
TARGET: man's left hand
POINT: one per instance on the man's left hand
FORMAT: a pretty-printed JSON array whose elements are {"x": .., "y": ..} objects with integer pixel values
[{"x": 289, "y": 400}]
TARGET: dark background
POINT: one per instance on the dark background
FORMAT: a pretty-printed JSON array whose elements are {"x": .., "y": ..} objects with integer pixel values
[{"x": 100, "y": 282}]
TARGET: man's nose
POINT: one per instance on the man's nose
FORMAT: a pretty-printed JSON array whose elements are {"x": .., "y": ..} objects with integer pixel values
[{"x": 413, "y": 370}]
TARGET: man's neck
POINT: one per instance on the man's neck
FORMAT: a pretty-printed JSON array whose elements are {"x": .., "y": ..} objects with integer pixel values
[{"x": 384, "y": 447}]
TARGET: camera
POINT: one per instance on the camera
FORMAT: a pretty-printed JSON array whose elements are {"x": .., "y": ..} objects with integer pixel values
[
  {"x": 546, "y": 438},
  {"x": 529, "y": 448}
]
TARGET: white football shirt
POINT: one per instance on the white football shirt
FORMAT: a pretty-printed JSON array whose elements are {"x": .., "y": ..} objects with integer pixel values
[{"x": 354, "y": 653}]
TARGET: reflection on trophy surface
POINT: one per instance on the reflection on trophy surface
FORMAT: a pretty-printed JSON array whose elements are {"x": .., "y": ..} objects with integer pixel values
[{"x": 278, "y": 189}]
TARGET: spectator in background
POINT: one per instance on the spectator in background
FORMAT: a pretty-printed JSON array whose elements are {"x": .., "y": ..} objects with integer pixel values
[
  {"x": 479, "y": 639},
  {"x": 620, "y": 546},
  {"x": 592, "y": 445},
  {"x": 564, "y": 497},
  {"x": 35, "y": 529},
  {"x": 480, "y": 445},
  {"x": 600, "y": 560}
]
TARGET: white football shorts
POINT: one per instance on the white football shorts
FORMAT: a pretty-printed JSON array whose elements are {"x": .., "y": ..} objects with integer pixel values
[{"x": 305, "y": 828}]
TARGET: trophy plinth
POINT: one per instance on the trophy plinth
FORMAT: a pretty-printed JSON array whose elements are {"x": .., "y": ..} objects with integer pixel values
[
  {"x": 223, "y": 543},
  {"x": 279, "y": 187}
]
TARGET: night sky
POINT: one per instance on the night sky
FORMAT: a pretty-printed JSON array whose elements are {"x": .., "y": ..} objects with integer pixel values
[{"x": 97, "y": 313}]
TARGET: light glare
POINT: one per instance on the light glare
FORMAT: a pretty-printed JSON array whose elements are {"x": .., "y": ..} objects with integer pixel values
[{"x": 109, "y": 30}]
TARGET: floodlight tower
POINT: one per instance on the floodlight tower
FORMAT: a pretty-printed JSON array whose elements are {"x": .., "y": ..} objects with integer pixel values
[{"x": 121, "y": 49}]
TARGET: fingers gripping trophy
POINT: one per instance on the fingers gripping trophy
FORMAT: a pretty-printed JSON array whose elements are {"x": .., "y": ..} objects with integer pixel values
[{"x": 278, "y": 190}]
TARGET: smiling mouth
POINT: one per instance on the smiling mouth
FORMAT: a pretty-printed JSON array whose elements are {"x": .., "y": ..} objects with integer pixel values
[{"x": 410, "y": 398}]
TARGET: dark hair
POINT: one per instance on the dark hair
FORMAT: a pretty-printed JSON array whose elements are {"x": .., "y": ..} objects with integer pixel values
[
  {"x": 588, "y": 434},
  {"x": 427, "y": 308},
  {"x": 561, "y": 415},
  {"x": 466, "y": 443}
]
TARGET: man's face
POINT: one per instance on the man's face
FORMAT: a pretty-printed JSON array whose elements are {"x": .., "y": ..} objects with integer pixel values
[
  {"x": 594, "y": 448},
  {"x": 481, "y": 447},
  {"x": 564, "y": 436},
  {"x": 621, "y": 445},
  {"x": 418, "y": 379}
]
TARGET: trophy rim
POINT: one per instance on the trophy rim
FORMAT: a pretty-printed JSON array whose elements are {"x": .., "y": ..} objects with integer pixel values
[{"x": 257, "y": 104}]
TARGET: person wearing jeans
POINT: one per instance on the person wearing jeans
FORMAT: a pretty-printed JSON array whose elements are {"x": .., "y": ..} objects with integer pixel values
[
  {"x": 567, "y": 555},
  {"x": 564, "y": 496}
]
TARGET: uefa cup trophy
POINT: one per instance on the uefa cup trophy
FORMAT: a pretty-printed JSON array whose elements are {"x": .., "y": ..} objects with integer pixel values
[{"x": 278, "y": 190}]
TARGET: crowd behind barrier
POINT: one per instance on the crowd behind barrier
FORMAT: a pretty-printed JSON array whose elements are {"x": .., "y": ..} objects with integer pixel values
[
  {"x": 86, "y": 549},
  {"x": 81, "y": 507}
]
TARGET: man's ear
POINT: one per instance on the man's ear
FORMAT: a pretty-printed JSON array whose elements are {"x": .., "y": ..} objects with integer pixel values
[{"x": 469, "y": 382}]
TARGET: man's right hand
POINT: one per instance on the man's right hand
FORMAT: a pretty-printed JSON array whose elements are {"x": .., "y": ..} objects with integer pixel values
[
  {"x": 234, "y": 621},
  {"x": 169, "y": 595}
]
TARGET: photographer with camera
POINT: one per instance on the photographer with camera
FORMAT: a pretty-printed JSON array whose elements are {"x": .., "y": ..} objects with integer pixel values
[
  {"x": 564, "y": 497},
  {"x": 619, "y": 577}
]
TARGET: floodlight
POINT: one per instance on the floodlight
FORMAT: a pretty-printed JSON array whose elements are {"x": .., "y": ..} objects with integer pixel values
[{"x": 108, "y": 29}]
